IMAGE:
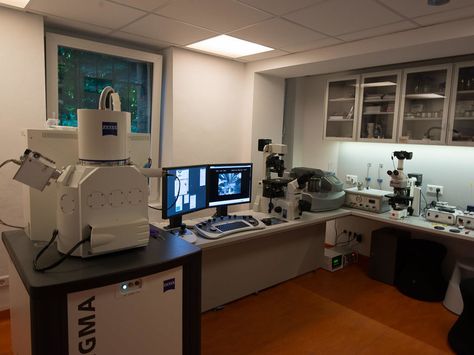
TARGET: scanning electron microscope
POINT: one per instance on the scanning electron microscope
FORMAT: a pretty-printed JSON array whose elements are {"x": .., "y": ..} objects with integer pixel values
[
  {"x": 102, "y": 201},
  {"x": 406, "y": 197}
]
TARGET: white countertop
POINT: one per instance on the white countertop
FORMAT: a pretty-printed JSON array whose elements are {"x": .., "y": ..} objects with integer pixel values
[
  {"x": 313, "y": 218},
  {"x": 307, "y": 219}
]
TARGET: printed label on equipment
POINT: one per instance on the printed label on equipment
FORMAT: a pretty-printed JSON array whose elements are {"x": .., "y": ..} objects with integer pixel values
[{"x": 109, "y": 128}]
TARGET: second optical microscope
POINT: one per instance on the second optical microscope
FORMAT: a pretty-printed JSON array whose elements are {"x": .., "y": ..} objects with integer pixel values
[{"x": 405, "y": 199}]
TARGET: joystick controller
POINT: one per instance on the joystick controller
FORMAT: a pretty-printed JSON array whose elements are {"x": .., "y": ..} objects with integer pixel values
[{"x": 185, "y": 233}]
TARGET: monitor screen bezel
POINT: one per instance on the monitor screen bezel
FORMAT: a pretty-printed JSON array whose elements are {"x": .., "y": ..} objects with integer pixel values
[
  {"x": 227, "y": 203},
  {"x": 164, "y": 188}
]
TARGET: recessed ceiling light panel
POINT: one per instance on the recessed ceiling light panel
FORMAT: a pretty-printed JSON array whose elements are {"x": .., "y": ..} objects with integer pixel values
[
  {"x": 15, "y": 3},
  {"x": 229, "y": 46}
]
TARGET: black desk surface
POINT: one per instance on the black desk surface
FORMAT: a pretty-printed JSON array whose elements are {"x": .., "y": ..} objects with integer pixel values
[{"x": 75, "y": 274}]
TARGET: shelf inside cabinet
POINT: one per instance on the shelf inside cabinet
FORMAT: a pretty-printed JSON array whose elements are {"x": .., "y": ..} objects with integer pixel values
[
  {"x": 423, "y": 119},
  {"x": 377, "y": 113},
  {"x": 342, "y": 99},
  {"x": 378, "y": 100},
  {"x": 461, "y": 118},
  {"x": 466, "y": 92},
  {"x": 340, "y": 120},
  {"x": 424, "y": 96}
]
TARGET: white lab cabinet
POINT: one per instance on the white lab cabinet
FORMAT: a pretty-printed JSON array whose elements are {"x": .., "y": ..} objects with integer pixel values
[
  {"x": 424, "y": 105},
  {"x": 461, "y": 113},
  {"x": 342, "y": 97},
  {"x": 379, "y": 103}
]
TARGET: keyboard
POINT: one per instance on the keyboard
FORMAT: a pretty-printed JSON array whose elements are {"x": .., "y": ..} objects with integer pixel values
[{"x": 219, "y": 227}]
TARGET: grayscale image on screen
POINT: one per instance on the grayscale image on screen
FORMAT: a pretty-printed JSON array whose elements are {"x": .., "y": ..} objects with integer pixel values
[{"x": 230, "y": 184}]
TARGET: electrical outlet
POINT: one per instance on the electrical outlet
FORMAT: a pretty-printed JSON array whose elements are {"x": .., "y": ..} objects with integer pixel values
[
  {"x": 351, "y": 179},
  {"x": 431, "y": 189},
  {"x": 4, "y": 281}
]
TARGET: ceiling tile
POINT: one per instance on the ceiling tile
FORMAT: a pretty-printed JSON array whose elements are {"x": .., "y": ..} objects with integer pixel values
[
  {"x": 304, "y": 46},
  {"x": 59, "y": 22},
  {"x": 445, "y": 16},
  {"x": 260, "y": 56},
  {"x": 163, "y": 29},
  {"x": 336, "y": 17},
  {"x": 96, "y": 12},
  {"x": 277, "y": 33},
  {"x": 216, "y": 15},
  {"x": 378, "y": 31},
  {"x": 147, "y": 5},
  {"x": 280, "y": 7},
  {"x": 415, "y": 8},
  {"x": 140, "y": 40}
]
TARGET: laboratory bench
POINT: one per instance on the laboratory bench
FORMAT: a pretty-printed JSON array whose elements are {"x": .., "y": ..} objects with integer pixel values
[
  {"x": 144, "y": 300},
  {"x": 250, "y": 261}
]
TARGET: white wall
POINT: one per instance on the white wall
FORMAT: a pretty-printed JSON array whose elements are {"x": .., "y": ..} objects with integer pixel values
[
  {"x": 448, "y": 166},
  {"x": 22, "y": 99},
  {"x": 267, "y": 118},
  {"x": 204, "y": 121}
]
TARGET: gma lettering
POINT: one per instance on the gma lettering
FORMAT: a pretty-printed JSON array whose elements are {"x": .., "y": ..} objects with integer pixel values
[{"x": 86, "y": 327}]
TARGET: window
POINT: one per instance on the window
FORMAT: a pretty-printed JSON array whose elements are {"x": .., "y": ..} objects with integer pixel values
[
  {"x": 76, "y": 72},
  {"x": 83, "y": 74}
]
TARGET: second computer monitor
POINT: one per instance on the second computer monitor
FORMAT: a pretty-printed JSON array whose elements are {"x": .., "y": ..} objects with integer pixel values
[{"x": 229, "y": 184}]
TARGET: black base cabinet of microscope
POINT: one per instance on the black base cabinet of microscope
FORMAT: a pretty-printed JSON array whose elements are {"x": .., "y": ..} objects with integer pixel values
[{"x": 138, "y": 301}]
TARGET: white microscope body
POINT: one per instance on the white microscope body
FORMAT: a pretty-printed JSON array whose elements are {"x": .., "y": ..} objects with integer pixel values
[
  {"x": 102, "y": 201},
  {"x": 406, "y": 199},
  {"x": 277, "y": 196}
]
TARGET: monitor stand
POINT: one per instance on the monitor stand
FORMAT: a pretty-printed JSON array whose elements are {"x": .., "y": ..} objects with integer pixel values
[
  {"x": 175, "y": 222},
  {"x": 221, "y": 211}
]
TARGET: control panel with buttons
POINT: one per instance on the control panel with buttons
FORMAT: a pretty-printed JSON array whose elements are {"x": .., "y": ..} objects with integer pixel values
[
  {"x": 367, "y": 199},
  {"x": 219, "y": 227}
]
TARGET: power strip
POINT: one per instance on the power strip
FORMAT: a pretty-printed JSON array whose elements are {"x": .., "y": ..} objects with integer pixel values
[{"x": 465, "y": 220}]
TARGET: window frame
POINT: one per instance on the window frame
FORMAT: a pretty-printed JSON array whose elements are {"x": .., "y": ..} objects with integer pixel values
[{"x": 54, "y": 40}]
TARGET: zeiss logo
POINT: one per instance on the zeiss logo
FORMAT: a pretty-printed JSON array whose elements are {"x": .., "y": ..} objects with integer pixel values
[
  {"x": 169, "y": 285},
  {"x": 109, "y": 128}
]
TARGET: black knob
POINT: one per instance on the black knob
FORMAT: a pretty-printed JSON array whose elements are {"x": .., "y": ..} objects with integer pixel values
[{"x": 278, "y": 209}]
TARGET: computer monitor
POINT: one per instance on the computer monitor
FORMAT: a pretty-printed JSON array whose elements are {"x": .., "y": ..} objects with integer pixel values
[
  {"x": 228, "y": 184},
  {"x": 183, "y": 191}
]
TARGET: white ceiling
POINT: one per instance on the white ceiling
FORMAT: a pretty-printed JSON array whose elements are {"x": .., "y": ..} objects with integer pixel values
[{"x": 289, "y": 26}]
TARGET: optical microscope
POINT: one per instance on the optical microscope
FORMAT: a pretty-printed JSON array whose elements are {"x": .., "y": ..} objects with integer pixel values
[
  {"x": 406, "y": 197},
  {"x": 278, "y": 196},
  {"x": 102, "y": 201}
]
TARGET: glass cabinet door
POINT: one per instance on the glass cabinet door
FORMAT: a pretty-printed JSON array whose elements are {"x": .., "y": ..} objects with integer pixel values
[
  {"x": 342, "y": 96},
  {"x": 425, "y": 104},
  {"x": 379, "y": 106},
  {"x": 461, "y": 127}
]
